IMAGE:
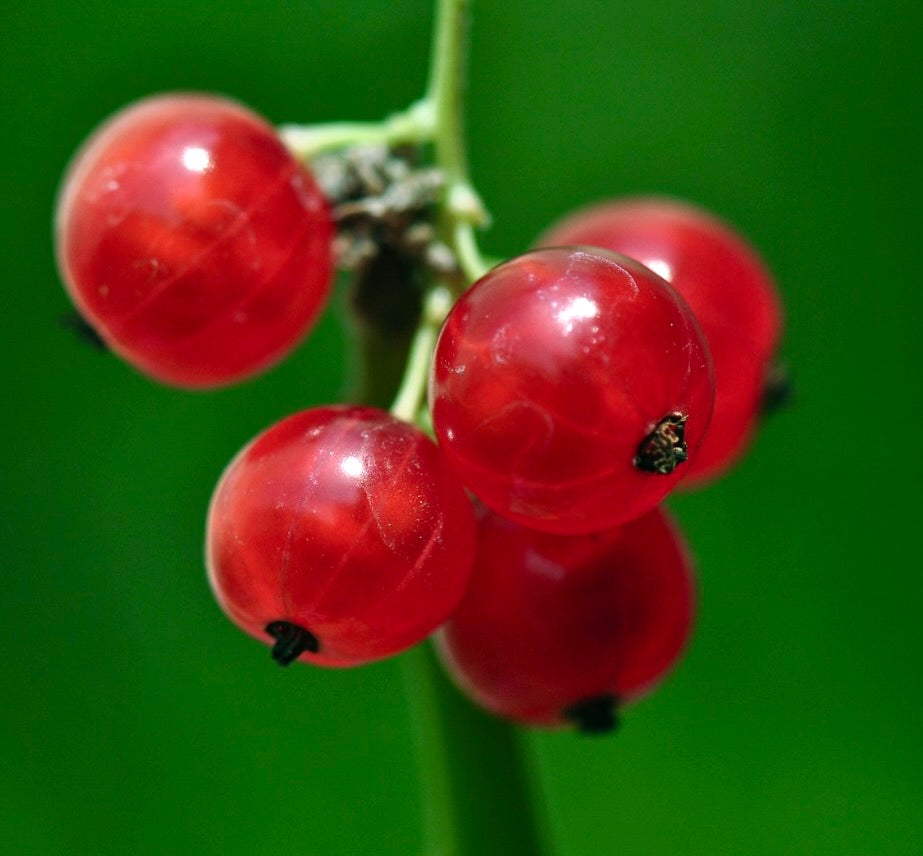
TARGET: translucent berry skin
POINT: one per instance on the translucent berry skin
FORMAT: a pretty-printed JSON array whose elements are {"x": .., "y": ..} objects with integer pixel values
[
  {"x": 347, "y": 523},
  {"x": 552, "y": 622},
  {"x": 192, "y": 241},
  {"x": 551, "y": 371},
  {"x": 726, "y": 284}
]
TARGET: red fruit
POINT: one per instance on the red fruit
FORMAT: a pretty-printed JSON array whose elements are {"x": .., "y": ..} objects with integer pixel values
[
  {"x": 568, "y": 387},
  {"x": 341, "y": 533},
  {"x": 728, "y": 288},
  {"x": 557, "y": 629},
  {"x": 192, "y": 241}
]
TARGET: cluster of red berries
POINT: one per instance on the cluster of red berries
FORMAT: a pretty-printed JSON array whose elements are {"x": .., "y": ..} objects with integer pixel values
[{"x": 571, "y": 390}]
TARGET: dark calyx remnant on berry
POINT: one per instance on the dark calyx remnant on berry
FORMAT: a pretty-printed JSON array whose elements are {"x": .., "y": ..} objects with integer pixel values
[
  {"x": 664, "y": 449},
  {"x": 596, "y": 715},
  {"x": 78, "y": 325},
  {"x": 291, "y": 641},
  {"x": 778, "y": 391}
]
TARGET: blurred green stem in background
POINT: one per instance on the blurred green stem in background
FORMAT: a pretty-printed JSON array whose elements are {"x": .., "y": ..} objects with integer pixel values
[{"x": 476, "y": 796}]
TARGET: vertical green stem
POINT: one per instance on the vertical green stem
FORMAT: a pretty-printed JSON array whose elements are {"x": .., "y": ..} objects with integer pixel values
[
  {"x": 475, "y": 791},
  {"x": 446, "y": 80},
  {"x": 409, "y": 396},
  {"x": 462, "y": 210},
  {"x": 476, "y": 796}
]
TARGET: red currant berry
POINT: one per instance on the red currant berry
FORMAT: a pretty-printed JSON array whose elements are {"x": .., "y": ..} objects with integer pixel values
[
  {"x": 192, "y": 241},
  {"x": 562, "y": 629},
  {"x": 340, "y": 533},
  {"x": 725, "y": 283},
  {"x": 568, "y": 387}
]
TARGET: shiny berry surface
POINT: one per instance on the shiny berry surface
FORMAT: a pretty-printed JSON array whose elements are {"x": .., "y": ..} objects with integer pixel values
[
  {"x": 552, "y": 375},
  {"x": 346, "y": 524},
  {"x": 727, "y": 286},
  {"x": 192, "y": 241},
  {"x": 564, "y": 629}
]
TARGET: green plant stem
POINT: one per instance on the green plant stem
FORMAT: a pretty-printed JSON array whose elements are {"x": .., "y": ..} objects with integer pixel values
[
  {"x": 409, "y": 396},
  {"x": 446, "y": 81},
  {"x": 476, "y": 792},
  {"x": 472, "y": 263},
  {"x": 474, "y": 786},
  {"x": 415, "y": 125},
  {"x": 435, "y": 119},
  {"x": 462, "y": 209}
]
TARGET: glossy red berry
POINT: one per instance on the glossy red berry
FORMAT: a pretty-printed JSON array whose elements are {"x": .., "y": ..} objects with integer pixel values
[
  {"x": 341, "y": 535},
  {"x": 192, "y": 241},
  {"x": 727, "y": 286},
  {"x": 568, "y": 387},
  {"x": 562, "y": 629}
]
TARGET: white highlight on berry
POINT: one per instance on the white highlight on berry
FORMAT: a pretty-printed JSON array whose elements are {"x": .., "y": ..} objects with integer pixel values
[
  {"x": 352, "y": 466},
  {"x": 661, "y": 268},
  {"x": 578, "y": 309},
  {"x": 196, "y": 159}
]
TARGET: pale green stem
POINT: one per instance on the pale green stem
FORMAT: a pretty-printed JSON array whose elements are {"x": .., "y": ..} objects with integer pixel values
[
  {"x": 463, "y": 208},
  {"x": 415, "y": 125},
  {"x": 446, "y": 81},
  {"x": 472, "y": 263},
  {"x": 409, "y": 397}
]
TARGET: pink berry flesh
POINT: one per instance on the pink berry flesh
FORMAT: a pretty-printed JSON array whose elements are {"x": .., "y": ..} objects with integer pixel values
[
  {"x": 341, "y": 535},
  {"x": 726, "y": 285},
  {"x": 564, "y": 629},
  {"x": 568, "y": 388},
  {"x": 192, "y": 241}
]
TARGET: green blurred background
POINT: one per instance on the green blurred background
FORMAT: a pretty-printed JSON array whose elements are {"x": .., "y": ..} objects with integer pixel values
[{"x": 135, "y": 719}]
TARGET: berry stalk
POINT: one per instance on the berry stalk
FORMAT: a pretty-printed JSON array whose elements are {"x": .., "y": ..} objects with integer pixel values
[
  {"x": 462, "y": 210},
  {"x": 412, "y": 126},
  {"x": 435, "y": 119},
  {"x": 408, "y": 401},
  {"x": 475, "y": 789},
  {"x": 477, "y": 795}
]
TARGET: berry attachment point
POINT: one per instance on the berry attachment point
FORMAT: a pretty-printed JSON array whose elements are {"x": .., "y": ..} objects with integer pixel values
[
  {"x": 596, "y": 715},
  {"x": 664, "y": 449},
  {"x": 291, "y": 641}
]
